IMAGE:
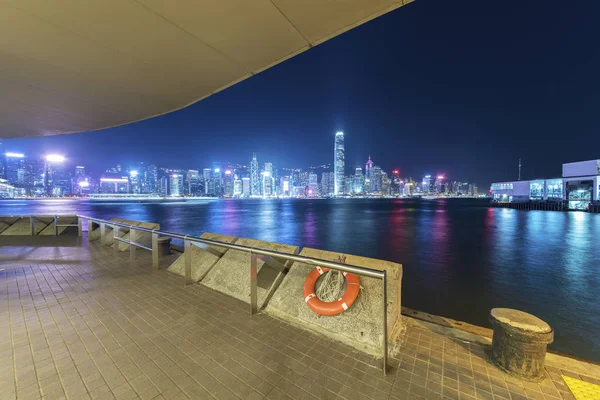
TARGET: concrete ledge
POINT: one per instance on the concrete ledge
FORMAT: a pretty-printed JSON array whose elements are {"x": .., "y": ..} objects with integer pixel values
[
  {"x": 143, "y": 238},
  {"x": 231, "y": 274},
  {"x": 95, "y": 233},
  {"x": 22, "y": 227},
  {"x": 63, "y": 220},
  {"x": 361, "y": 325},
  {"x": 203, "y": 259},
  {"x": 6, "y": 222}
]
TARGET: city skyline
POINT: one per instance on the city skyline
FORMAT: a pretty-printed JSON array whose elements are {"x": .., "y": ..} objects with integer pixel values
[
  {"x": 54, "y": 175},
  {"x": 415, "y": 89}
]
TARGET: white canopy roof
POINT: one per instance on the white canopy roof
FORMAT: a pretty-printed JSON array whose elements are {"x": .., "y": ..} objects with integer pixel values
[{"x": 70, "y": 66}]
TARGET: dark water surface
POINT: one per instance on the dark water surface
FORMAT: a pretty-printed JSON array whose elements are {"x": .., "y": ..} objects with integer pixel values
[{"x": 460, "y": 257}]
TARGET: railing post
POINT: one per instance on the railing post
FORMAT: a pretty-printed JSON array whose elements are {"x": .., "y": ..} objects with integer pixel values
[
  {"x": 115, "y": 240},
  {"x": 154, "y": 250},
  {"x": 79, "y": 227},
  {"x": 32, "y": 225},
  {"x": 187, "y": 251},
  {"x": 56, "y": 225},
  {"x": 131, "y": 243},
  {"x": 90, "y": 229},
  {"x": 253, "y": 284},
  {"x": 102, "y": 233},
  {"x": 385, "y": 330}
]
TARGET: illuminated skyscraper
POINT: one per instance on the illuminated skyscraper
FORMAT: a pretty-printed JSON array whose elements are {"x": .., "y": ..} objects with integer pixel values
[
  {"x": 312, "y": 185},
  {"x": 268, "y": 181},
  {"x": 255, "y": 184},
  {"x": 245, "y": 187},
  {"x": 228, "y": 183},
  {"x": 176, "y": 185},
  {"x": 359, "y": 181},
  {"x": 209, "y": 188},
  {"x": 427, "y": 184},
  {"x": 368, "y": 186},
  {"x": 338, "y": 163}
]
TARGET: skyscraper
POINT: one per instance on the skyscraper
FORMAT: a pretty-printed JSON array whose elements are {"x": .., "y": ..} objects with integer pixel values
[
  {"x": 338, "y": 163},
  {"x": 368, "y": 186},
  {"x": 359, "y": 180},
  {"x": 267, "y": 186},
  {"x": 254, "y": 177},
  {"x": 176, "y": 185}
]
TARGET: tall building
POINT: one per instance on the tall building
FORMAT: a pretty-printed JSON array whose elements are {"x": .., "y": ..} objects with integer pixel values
[
  {"x": 176, "y": 185},
  {"x": 150, "y": 183},
  {"x": 228, "y": 179},
  {"x": 427, "y": 184},
  {"x": 13, "y": 162},
  {"x": 338, "y": 164},
  {"x": 327, "y": 184},
  {"x": 58, "y": 178},
  {"x": 255, "y": 183},
  {"x": 368, "y": 187},
  {"x": 313, "y": 186},
  {"x": 359, "y": 181},
  {"x": 246, "y": 187},
  {"x": 209, "y": 188},
  {"x": 285, "y": 187},
  {"x": 163, "y": 186},
  {"x": 439, "y": 184},
  {"x": 193, "y": 183}
]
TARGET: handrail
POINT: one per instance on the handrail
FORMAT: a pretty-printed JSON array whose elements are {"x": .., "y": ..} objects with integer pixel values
[
  {"x": 372, "y": 273},
  {"x": 255, "y": 253}
]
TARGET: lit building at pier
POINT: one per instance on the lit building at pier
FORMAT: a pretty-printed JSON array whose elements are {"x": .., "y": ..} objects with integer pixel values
[{"x": 579, "y": 186}]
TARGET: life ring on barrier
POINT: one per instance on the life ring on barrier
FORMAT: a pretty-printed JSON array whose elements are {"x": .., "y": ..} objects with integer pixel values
[{"x": 333, "y": 307}]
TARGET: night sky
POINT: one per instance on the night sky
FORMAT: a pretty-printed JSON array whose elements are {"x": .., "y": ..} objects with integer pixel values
[{"x": 463, "y": 88}]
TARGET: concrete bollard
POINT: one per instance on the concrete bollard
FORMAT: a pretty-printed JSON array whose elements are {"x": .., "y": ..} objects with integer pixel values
[{"x": 519, "y": 343}]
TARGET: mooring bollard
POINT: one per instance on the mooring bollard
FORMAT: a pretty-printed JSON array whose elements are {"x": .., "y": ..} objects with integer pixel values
[{"x": 519, "y": 343}]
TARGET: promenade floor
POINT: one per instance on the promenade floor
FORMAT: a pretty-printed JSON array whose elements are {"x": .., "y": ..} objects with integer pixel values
[{"x": 78, "y": 322}]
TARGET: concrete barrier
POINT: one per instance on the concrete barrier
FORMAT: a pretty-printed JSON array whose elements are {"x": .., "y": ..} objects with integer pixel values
[
  {"x": 6, "y": 222},
  {"x": 231, "y": 274},
  {"x": 143, "y": 238},
  {"x": 110, "y": 238},
  {"x": 361, "y": 325},
  {"x": 50, "y": 230},
  {"x": 95, "y": 233},
  {"x": 203, "y": 258},
  {"x": 22, "y": 226}
]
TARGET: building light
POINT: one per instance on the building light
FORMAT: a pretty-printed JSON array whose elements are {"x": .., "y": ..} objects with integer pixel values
[
  {"x": 15, "y": 155},
  {"x": 55, "y": 158},
  {"x": 228, "y": 172},
  {"x": 440, "y": 177},
  {"x": 133, "y": 174},
  {"x": 84, "y": 184},
  {"x": 339, "y": 134},
  {"x": 266, "y": 173},
  {"x": 80, "y": 167},
  {"x": 114, "y": 180},
  {"x": 217, "y": 169}
]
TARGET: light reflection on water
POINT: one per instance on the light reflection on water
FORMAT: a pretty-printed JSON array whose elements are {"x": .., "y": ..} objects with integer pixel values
[{"x": 460, "y": 257}]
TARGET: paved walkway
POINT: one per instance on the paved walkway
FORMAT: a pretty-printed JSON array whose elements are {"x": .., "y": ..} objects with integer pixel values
[{"x": 78, "y": 323}]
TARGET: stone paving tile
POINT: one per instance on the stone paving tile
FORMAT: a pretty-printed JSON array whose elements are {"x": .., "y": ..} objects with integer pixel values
[{"x": 77, "y": 322}]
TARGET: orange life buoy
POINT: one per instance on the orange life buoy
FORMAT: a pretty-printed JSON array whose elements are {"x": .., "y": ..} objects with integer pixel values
[{"x": 332, "y": 307}]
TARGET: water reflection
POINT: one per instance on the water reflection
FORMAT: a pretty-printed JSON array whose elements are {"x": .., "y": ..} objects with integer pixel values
[{"x": 460, "y": 258}]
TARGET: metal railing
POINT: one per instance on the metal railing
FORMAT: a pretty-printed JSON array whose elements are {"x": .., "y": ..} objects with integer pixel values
[
  {"x": 55, "y": 217},
  {"x": 255, "y": 254}
]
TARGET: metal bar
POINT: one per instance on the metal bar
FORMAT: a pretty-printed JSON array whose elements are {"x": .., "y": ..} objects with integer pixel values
[
  {"x": 132, "y": 246},
  {"x": 154, "y": 251},
  {"x": 187, "y": 247},
  {"x": 291, "y": 257},
  {"x": 32, "y": 225},
  {"x": 253, "y": 284},
  {"x": 102, "y": 234},
  {"x": 116, "y": 240},
  {"x": 385, "y": 329},
  {"x": 56, "y": 225},
  {"x": 79, "y": 227},
  {"x": 120, "y": 239},
  {"x": 68, "y": 226}
]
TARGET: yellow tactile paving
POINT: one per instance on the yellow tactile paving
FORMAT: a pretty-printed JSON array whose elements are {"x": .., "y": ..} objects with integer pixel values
[{"x": 583, "y": 390}]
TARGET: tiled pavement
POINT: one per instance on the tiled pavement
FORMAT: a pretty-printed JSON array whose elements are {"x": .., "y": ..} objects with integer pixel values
[{"x": 78, "y": 323}]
